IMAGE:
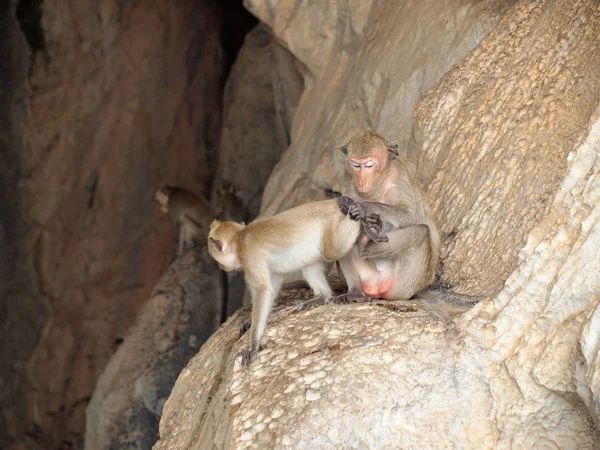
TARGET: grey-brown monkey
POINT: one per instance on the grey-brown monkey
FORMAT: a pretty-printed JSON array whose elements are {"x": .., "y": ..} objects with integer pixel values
[
  {"x": 301, "y": 238},
  {"x": 385, "y": 187},
  {"x": 190, "y": 212}
]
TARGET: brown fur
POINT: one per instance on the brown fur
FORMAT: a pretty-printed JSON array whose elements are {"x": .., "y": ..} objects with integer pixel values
[
  {"x": 190, "y": 212},
  {"x": 412, "y": 253},
  {"x": 301, "y": 238}
]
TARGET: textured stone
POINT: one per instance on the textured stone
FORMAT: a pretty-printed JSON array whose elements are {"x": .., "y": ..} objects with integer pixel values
[
  {"x": 119, "y": 97},
  {"x": 184, "y": 310},
  {"x": 508, "y": 143}
]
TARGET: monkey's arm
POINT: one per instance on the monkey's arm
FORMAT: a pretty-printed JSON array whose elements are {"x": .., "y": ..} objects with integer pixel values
[
  {"x": 392, "y": 216},
  {"x": 401, "y": 243}
]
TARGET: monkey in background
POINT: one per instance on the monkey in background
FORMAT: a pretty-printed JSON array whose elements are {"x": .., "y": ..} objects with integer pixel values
[
  {"x": 301, "y": 238},
  {"x": 191, "y": 213},
  {"x": 385, "y": 187}
]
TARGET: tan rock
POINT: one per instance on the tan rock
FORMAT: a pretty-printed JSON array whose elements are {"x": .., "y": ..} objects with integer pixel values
[
  {"x": 508, "y": 146},
  {"x": 121, "y": 96}
]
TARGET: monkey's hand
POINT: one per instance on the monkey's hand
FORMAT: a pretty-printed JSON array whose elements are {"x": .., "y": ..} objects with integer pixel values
[
  {"x": 345, "y": 203},
  {"x": 357, "y": 211},
  {"x": 373, "y": 228},
  {"x": 246, "y": 356}
]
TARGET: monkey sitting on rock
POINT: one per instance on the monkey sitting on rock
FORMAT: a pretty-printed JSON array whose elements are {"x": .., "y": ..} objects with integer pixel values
[
  {"x": 301, "y": 238},
  {"x": 191, "y": 213}
]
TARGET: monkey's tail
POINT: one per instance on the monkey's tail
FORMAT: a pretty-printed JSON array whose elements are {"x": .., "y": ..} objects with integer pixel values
[{"x": 441, "y": 296}]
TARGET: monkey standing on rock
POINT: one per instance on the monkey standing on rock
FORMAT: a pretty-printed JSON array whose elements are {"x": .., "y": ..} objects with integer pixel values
[
  {"x": 191, "y": 213},
  {"x": 301, "y": 238},
  {"x": 386, "y": 188}
]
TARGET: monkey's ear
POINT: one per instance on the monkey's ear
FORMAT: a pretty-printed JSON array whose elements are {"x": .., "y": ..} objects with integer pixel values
[
  {"x": 343, "y": 149},
  {"x": 216, "y": 244},
  {"x": 393, "y": 150}
]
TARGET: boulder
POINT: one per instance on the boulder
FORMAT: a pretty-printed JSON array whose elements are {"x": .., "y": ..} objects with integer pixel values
[{"x": 184, "y": 309}]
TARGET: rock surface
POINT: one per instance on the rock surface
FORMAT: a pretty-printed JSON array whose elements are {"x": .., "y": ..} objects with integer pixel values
[
  {"x": 508, "y": 144},
  {"x": 119, "y": 97},
  {"x": 261, "y": 96},
  {"x": 184, "y": 310},
  {"x": 367, "y": 64}
]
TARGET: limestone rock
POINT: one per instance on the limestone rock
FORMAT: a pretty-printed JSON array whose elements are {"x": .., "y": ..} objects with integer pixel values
[
  {"x": 368, "y": 64},
  {"x": 508, "y": 144},
  {"x": 184, "y": 310}
]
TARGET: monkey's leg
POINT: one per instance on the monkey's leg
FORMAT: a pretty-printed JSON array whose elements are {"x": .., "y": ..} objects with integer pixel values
[
  {"x": 316, "y": 279},
  {"x": 349, "y": 266},
  {"x": 264, "y": 289},
  {"x": 276, "y": 281},
  {"x": 341, "y": 239},
  {"x": 400, "y": 243},
  {"x": 407, "y": 257}
]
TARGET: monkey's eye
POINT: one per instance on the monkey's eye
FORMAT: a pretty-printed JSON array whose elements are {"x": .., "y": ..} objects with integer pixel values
[
  {"x": 369, "y": 164},
  {"x": 355, "y": 164}
]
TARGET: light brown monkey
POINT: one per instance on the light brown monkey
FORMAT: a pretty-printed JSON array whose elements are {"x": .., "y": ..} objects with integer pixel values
[
  {"x": 301, "y": 238},
  {"x": 385, "y": 187},
  {"x": 190, "y": 212}
]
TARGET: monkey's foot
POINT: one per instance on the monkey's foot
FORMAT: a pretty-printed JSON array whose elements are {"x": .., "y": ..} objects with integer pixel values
[
  {"x": 318, "y": 301},
  {"x": 245, "y": 327},
  {"x": 246, "y": 356},
  {"x": 344, "y": 204},
  {"x": 351, "y": 297}
]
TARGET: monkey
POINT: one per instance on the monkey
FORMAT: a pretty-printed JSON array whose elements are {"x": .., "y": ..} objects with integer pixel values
[
  {"x": 190, "y": 212},
  {"x": 386, "y": 188},
  {"x": 301, "y": 238}
]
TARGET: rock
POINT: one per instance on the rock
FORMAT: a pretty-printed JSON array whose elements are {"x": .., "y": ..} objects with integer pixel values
[
  {"x": 367, "y": 64},
  {"x": 261, "y": 95},
  {"x": 184, "y": 310},
  {"x": 119, "y": 96},
  {"x": 494, "y": 137},
  {"x": 508, "y": 145}
]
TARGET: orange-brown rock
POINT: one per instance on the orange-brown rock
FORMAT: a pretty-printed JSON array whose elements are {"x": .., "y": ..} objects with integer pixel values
[{"x": 120, "y": 96}]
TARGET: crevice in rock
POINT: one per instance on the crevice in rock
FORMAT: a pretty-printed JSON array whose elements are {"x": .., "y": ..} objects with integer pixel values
[{"x": 29, "y": 16}]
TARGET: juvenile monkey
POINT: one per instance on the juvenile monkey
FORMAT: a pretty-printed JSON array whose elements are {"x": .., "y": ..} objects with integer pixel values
[
  {"x": 191, "y": 213},
  {"x": 301, "y": 238},
  {"x": 386, "y": 188}
]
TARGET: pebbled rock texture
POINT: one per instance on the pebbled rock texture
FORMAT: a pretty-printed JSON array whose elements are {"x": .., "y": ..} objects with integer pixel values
[
  {"x": 508, "y": 143},
  {"x": 184, "y": 310}
]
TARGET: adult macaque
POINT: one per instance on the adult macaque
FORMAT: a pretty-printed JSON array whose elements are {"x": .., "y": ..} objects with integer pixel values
[
  {"x": 191, "y": 213},
  {"x": 301, "y": 238},
  {"x": 385, "y": 187}
]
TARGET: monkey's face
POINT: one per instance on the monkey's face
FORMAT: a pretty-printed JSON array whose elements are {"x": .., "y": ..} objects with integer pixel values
[
  {"x": 162, "y": 197},
  {"x": 368, "y": 172}
]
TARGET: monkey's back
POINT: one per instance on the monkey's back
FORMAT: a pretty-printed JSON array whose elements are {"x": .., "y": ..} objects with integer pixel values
[
  {"x": 195, "y": 206},
  {"x": 295, "y": 238}
]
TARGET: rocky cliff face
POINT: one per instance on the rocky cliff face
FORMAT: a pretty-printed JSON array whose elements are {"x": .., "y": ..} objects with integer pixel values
[
  {"x": 507, "y": 143},
  {"x": 111, "y": 99}
]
